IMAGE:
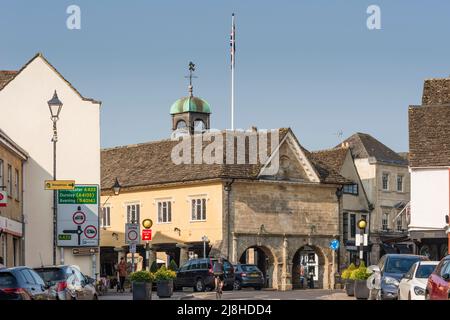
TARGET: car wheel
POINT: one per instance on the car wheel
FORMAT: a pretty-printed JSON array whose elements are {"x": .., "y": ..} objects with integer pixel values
[
  {"x": 199, "y": 285},
  {"x": 237, "y": 285}
]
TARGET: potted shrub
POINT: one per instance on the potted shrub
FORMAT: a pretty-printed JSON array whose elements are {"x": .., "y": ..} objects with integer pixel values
[
  {"x": 349, "y": 283},
  {"x": 173, "y": 265},
  {"x": 360, "y": 277},
  {"x": 164, "y": 282},
  {"x": 141, "y": 283}
]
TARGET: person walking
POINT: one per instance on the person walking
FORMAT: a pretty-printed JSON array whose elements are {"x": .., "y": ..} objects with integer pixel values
[
  {"x": 302, "y": 276},
  {"x": 122, "y": 268}
]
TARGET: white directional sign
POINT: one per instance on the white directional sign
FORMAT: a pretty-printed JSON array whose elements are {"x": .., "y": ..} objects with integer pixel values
[
  {"x": 132, "y": 233},
  {"x": 78, "y": 216}
]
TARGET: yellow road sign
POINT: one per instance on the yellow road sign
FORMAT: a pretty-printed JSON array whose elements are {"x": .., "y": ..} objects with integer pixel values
[{"x": 59, "y": 184}]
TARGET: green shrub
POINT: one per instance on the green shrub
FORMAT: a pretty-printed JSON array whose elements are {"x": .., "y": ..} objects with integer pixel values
[
  {"x": 360, "y": 274},
  {"x": 173, "y": 265},
  {"x": 142, "y": 276},
  {"x": 153, "y": 267},
  {"x": 347, "y": 272},
  {"x": 164, "y": 274}
]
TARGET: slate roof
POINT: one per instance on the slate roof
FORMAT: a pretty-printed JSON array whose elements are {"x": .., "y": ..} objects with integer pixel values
[
  {"x": 6, "y": 76},
  {"x": 429, "y": 126},
  {"x": 334, "y": 158},
  {"x": 364, "y": 145},
  {"x": 150, "y": 163}
]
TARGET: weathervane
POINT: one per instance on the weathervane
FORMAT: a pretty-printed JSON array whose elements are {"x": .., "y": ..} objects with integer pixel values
[{"x": 190, "y": 76}]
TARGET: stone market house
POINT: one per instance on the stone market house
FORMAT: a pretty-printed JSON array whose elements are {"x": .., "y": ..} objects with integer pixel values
[
  {"x": 355, "y": 204},
  {"x": 26, "y": 119},
  {"x": 429, "y": 146},
  {"x": 385, "y": 178},
  {"x": 12, "y": 159},
  {"x": 275, "y": 221}
]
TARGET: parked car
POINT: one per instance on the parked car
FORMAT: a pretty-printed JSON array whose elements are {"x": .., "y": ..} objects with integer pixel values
[
  {"x": 68, "y": 283},
  {"x": 198, "y": 273},
  {"x": 248, "y": 275},
  {"x": 438, "y": 286},
  {"x": 386, "y": 276},
  {"x": 413, "y": 284},
  {"x": 22, "y": 283}
]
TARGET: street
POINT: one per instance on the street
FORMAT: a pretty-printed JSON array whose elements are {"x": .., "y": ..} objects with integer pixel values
[{"x": 245, "y": 294}]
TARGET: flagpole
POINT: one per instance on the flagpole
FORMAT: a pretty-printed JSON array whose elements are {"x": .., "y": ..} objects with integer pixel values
[{"x": 232, "y": 70}]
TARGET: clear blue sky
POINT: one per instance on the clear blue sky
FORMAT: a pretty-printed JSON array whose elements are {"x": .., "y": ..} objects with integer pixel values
[{"x": 310, "y": 65}]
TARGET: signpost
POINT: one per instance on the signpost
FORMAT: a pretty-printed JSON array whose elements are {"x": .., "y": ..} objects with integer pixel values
[
  {"x": 334, "y": 246},
  {"x": 3, "y": 198},
  {"x": 59, "y": 184},
  {"x": 132, "y": 239},
  {"x": 78, "y": 216},
  {"x": 84, "y": 251}
]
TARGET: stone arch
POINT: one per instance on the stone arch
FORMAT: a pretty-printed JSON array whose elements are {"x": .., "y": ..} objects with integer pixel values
[
  {"x": 313, "y": 258},
  {"x": 266, "y": 259}
]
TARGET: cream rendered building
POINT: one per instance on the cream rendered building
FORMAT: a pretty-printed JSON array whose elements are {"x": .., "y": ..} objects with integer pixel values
[{"x": 26, "y": 119}]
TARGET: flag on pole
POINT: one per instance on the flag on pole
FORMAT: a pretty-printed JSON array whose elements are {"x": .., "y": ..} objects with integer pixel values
[{"x": 233, "y": 42}]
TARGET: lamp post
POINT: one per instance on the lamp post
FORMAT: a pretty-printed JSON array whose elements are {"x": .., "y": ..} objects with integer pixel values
[
  {"x": 55, "y": 105},
  {"x": 362, "y": 227},
  {"x": 204, "y": 239}
]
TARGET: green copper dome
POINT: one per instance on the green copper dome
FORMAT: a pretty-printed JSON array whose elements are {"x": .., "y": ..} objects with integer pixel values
[{"x": 190, "y": 104}]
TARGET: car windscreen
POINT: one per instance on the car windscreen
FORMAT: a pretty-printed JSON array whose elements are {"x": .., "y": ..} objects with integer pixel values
[
  {"x": 424, "y": 271},
  {"x": 250, "y": 268},
  {"x": 51, "y": 274},
  {"x": 399, "y": 264},
  {"x": 7, "y": 280}
]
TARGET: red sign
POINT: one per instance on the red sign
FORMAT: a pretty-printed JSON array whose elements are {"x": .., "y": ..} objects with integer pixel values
[
  {"x": 3, "y": 198},
  {"x": 147, "y": 234},
  {"x": 79, "y": 217}
]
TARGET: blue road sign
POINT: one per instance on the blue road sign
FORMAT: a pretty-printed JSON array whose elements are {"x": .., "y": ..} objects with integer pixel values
[{"x": 334, "y": 244}]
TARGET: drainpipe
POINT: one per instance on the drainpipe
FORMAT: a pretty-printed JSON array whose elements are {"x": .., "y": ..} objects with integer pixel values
[
  {"x": 22, "y": 254},
  {"x": 227, "y": 188},
  {"x": 339, "y": 194}
]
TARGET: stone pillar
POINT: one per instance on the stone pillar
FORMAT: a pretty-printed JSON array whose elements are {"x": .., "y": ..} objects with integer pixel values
[
  {"x": 234, "y": 257},
  {"x": 183, "y": 253},
  {"x": 151, "y": 255},
  {"x": 286, "y": 277}
]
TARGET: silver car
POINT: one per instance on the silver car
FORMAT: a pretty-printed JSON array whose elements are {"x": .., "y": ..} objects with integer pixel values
[{"x": 68, "y": 283}]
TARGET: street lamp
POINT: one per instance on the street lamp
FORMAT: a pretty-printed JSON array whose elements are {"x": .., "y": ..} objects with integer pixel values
[
  {"x": 55, "y": 105},
  {"x": 117, "y": 187},
  {"x": 204, "y": 239}
]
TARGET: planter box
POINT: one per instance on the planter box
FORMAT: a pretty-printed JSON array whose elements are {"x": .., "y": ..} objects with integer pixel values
[
  {"x": 164, "y": 288},
  {"x": 361, "y": 290},
  {"x": 350, "y": 287},
  {"x": 142, "y": 290}
]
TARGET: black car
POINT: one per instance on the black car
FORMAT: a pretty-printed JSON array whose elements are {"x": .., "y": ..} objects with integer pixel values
[
  {"x": 68, "y": 283},
  {"x": 248, "y": 275},
  {"x": 391, "y": 268},
  {"x": 22, "y": 283},
  {"x": 198, "y": 273}
]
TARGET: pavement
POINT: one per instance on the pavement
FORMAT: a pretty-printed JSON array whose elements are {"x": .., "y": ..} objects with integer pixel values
[{"x": 244, "y": 294}]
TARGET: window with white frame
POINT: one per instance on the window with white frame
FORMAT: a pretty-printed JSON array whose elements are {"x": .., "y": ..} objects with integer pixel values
[
  {"x": 164, "y": 211},
  {"x": 105, "y": 220},
  {"x": 9, "y": 186},
  {"x": 385, "y": 222},
  {"x": 198, "y": 209},
  {"x": 16, "y": 185},
  {"x": 133, "y": 210},
  {"x": 385, "y": 181},
  {"x": 400, "y": 183}
]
